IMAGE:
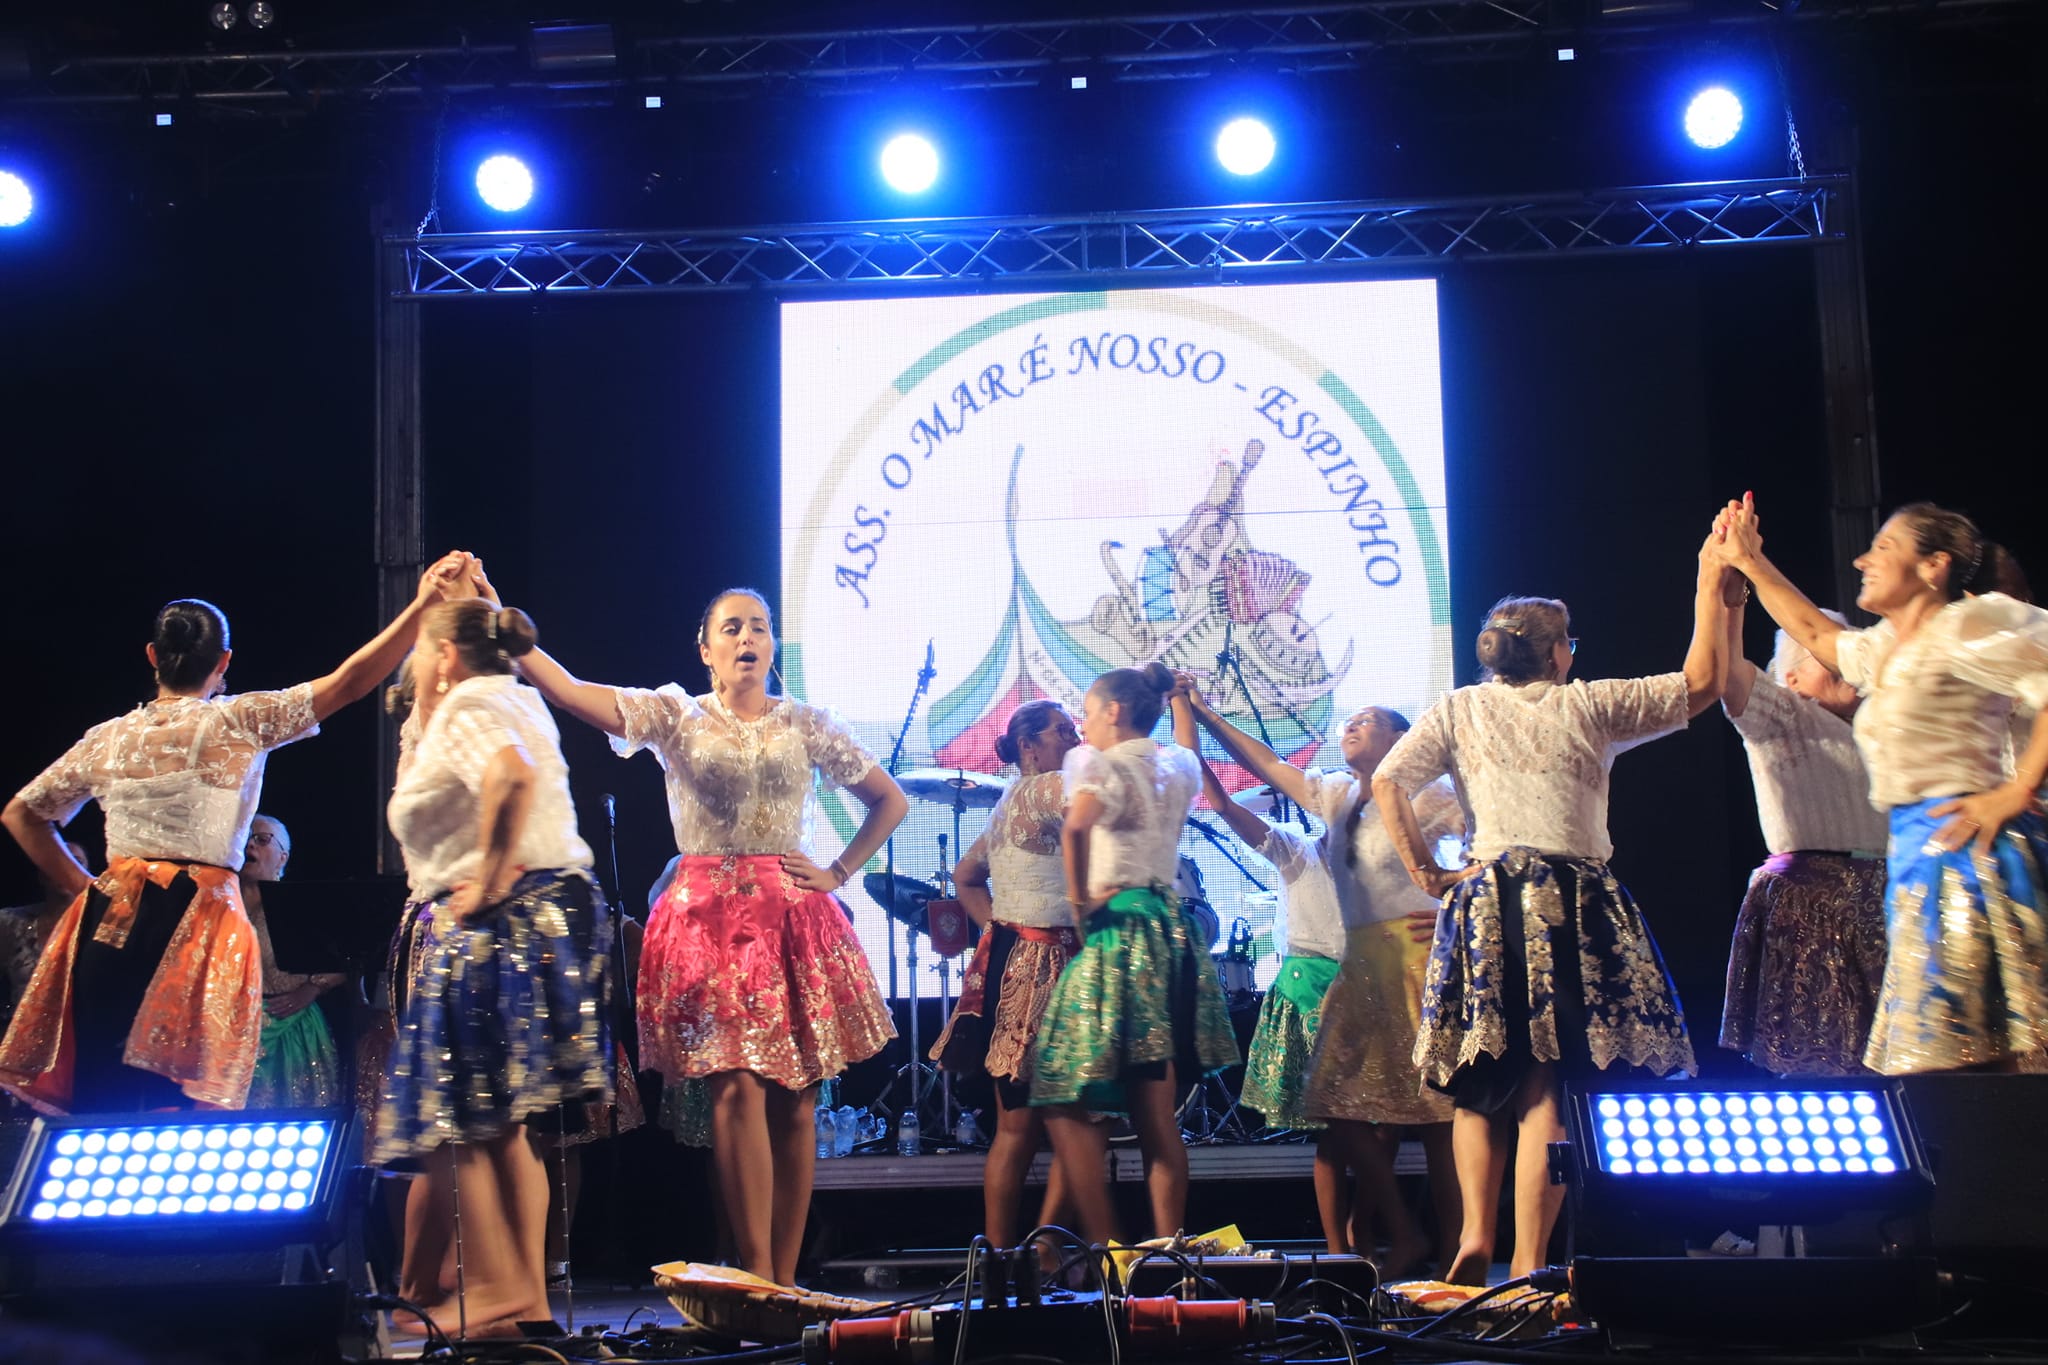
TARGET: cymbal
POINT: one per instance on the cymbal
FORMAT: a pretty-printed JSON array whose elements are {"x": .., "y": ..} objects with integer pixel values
[
  {"x": 949, "y": 786},
  {"x": 911, "y": 894},
  {"x": 1257, "y": 800}
]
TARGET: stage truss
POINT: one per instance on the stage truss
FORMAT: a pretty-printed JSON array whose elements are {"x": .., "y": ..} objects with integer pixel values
[
  {"x": 1160, "y": 247},
  {"x": 1267, "y": 242},
  {"x": 1299, "y": 39}
]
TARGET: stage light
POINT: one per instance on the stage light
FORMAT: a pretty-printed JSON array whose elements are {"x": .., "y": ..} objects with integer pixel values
[
  {"x": 654, "y": 101},
  {"x": 1713, "y": 118},
  {"x": 1567, "y": 54},
  {"x": 1078, "y": 83},
  {"x": 222, "y": 16},
  {"x": 196, "y": 1241},
  {"x": 261, "y": 14},
  {"x": 69, "y": 1173},
  {"x": 504, "y": 183},
  {"x": 164, "y": 120},
  {"x": 16, "y": 201},
  {"x": 910, "y": 164},
  {"x": 1245, "y": 146}
]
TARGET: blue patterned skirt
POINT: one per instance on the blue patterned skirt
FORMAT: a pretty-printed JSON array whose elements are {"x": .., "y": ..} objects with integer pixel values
[
  {"x": 1966, "y": 973},
  {"x": 1543, "y": 958},
  {"x": 501, "y": 1020}
]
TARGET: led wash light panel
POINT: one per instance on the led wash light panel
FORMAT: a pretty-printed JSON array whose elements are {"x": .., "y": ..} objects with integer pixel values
[
  {"x": 213, "y": 1173},
  {"x": 1747, "y": 1133}
]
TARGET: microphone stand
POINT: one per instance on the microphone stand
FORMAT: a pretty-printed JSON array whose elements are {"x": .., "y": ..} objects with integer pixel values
[
  {"x": 915, "y": 1062},
  {"x": 1222, "y": 842},
  {"x": 1227, "y": 662}
]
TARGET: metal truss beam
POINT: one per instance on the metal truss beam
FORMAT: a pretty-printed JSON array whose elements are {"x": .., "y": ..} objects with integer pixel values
[
  {"x": 1298, "y": 38},
  {"x": 1164, "y": 247}
]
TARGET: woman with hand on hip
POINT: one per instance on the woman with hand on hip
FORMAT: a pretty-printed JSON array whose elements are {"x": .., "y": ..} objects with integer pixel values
[
  {"x": 1541, "y": 966},
  {"x": 502, "y": 978},
  {"x": 750, "y": 978},
  {"x": 149, "y": 992},
  {"x": 1966, "y": 898},
  {"x": 1014, "y": 885}
]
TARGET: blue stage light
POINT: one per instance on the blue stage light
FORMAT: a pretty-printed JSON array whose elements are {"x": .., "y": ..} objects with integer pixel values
[
  {"x": 1713, "y": 118},
  {"x": 1245, "y": 146},
  {"x": 910, "y": 164},
  {"x": 231, "y": 1170},
  {"x": 1802, "y": 1131},
  {"x": 504, "y": 183}
]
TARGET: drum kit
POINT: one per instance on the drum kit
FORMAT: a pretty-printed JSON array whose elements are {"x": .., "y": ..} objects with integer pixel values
[{"x": 928, "y": 909}]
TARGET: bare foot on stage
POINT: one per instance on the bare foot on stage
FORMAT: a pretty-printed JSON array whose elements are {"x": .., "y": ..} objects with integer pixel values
[{"x": 1470, "y": 1267}]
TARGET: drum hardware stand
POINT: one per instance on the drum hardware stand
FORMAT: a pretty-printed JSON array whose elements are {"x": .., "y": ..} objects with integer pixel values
[
  {"x": 1202, "y": 1122},
  {"x": 1227, "y": 663}
]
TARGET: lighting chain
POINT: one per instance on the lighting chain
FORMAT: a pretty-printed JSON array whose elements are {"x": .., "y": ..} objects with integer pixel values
[{"x": 433, "y": 214}]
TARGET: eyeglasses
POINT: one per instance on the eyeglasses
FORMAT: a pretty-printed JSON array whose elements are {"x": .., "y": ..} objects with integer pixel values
[{"x": 1571, "y": 644}]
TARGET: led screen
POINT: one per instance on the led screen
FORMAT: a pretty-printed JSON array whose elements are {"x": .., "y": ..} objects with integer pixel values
[{"x": 1246, "y": 482}]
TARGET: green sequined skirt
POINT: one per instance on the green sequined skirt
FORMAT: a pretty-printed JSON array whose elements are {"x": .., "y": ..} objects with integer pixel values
[
  {"x": 1276, "y": 1065},
  {"x": 297, "y": 1068},
  {"x": 1140, "y": 993}
]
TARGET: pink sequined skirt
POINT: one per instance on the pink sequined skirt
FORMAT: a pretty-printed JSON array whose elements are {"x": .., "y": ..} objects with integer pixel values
[{"x": 742, "y": 969}]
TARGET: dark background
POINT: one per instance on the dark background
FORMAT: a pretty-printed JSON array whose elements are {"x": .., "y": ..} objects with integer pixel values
[{"x": 186, "y": 386}]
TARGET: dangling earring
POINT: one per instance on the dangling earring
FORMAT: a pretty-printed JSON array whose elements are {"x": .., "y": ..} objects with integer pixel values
[{"x": 441, "y": 686}]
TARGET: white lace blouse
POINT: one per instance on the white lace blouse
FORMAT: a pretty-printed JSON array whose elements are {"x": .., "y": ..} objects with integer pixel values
[
  {"x": 1311, "y": 924},
  {"x": 1372, "y": 882},
  {"x": 437, "y": 806},
  {"x": 1027, "y": 878},
  {"x": 738, "y": 786},
  {"x": 1811, "y": 789},
  {"x": 1936, "y": 708},
  {"x": 1146, "y": 789},
  {"x": 178, "y": 777},
  {"x": 1530, "y": 762}
]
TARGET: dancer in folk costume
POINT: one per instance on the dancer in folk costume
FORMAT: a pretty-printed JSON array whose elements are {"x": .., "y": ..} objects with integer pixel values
[
  {"x": 1541, "y": 965},
  {"x": 149, "y": 992},
  {"x": 1013, "y": 884},
  {"x": 750, "y": 977},
  {"x": 1808, "y": 952},
  {"x": 297, "y": 1067},
  {"x": 1360, "y": 1081},
  {"x": 1966, "y": 886},
  {"x": 1139, "y": 1009}
]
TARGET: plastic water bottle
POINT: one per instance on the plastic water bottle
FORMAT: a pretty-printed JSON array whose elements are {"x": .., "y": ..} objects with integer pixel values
[
  {"x": 828, "y": 1132},
  {"x": 846, "y": 1128},
  {"x": 963, "y": 1131},
  {"x": 909, "y": 1136}
]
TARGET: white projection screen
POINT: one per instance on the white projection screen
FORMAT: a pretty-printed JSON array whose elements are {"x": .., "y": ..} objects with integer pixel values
[{"x": 1044, "y": 487}]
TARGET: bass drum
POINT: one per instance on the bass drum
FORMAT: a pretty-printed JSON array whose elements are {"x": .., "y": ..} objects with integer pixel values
[{"x": 1203, "y": 920}]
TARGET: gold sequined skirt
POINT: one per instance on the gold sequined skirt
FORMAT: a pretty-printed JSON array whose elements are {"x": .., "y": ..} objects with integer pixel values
[
  {"x": 1805, "y": 965},
  {"x": 1364, "y": 1066},
  {"x": 1966, "y": 980}
]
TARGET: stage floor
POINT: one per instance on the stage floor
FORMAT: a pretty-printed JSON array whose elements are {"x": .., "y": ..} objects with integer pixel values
[{"x": 948, "y": 1170}]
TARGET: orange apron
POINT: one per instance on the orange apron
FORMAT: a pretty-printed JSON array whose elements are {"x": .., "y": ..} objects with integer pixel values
[{"x": 200, "y": 1018}]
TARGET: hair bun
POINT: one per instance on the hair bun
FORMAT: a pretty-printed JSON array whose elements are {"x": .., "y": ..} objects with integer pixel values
[
  {"x": 517, "y": 635},
  {"x": 1158, "y": 677},
  {"x": 1007, "y": 750}
]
